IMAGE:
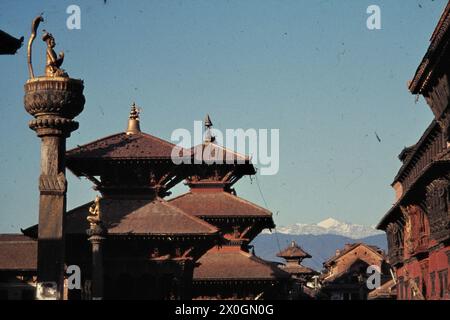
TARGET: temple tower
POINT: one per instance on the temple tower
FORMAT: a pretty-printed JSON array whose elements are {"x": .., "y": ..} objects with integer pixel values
[
  {"x": 141, "y": 246},
  {"x": 231, "y": 270}
]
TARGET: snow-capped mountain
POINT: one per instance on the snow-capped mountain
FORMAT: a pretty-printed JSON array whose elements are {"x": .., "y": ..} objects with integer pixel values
[{"x": 330, "y": 226}]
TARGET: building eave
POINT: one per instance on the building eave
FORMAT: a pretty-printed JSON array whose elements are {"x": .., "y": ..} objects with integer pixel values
[
  {"x": 432, "y": 56},
  {"x": 8, "y": 44}
]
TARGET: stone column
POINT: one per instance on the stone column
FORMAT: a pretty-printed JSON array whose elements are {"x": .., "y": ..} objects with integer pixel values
[
  {"x": 96, "y": 233},
  {"x": 96, "y": 236},
  {"x": 54, "y": 102}
]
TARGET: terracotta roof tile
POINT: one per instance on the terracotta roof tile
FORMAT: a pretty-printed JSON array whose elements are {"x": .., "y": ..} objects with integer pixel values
[
  {"x": 350, "y": 247},
  {"x": 210, "y": 151},
  {"x": 293, "y": 251},
  {"x": 298, "y": 269},
  {"x": 236, "y": 265},
  {"x": 218, "y": 204},
  {"x": 156, "y": 217},
  {"x": 124, "y": 146},
  {"x": 17, "y": 252}
]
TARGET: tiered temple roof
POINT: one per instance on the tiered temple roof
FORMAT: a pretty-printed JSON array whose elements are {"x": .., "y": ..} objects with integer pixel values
[
  {"x": 134, "y": 169},
  {"x": 122, "y": 146},
  {"x": 218, "y": 203},
  {"x": 139, "y": 217},
  {"x": 146, "y": 235},
  {"x": 230, "y": 263},
  {"x": 294, "y": 254},
  {"x": 212, "y": 199},
  {"x": 129, "y": 164},
  {"x": 294, "y": 251},
  {"x": 215, "y": 166},
  {"x": 210, "y": 194}
]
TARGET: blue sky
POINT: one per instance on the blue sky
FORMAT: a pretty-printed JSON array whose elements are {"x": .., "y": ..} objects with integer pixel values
[{"x": 310, "y": 68}]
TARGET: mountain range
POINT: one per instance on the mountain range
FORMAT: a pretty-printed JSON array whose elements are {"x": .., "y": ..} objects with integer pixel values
[
  {"x": 330, "y": 226},
  {"x": 320, "y": 240}
]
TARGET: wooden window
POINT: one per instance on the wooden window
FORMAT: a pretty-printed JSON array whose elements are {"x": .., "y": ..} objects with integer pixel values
[
  {"x": 443, "y": 280},
  {"x": 417, "y": 280},
  {"x": 433, "y": 283},
  {"x": 424, "y": 287}
]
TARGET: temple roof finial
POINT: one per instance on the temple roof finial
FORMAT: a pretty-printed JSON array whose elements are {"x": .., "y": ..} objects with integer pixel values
[
  {"x": 133, "y": 120},
  {"x": 208, "y": 124}
]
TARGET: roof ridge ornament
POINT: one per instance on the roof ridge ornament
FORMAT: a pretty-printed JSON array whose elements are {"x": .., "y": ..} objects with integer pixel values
[
  {"x": 208, "y": 124},
  {"x": 133, "y": 120}
]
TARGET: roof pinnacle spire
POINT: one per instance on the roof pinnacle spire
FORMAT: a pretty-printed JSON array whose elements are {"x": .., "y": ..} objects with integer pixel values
[
  {"x": 208, "y": 124},
  {"x": 133, "y": 120}
]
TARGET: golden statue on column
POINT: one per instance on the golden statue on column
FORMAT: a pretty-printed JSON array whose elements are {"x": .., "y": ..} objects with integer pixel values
[{"x": 94, "y": 216}]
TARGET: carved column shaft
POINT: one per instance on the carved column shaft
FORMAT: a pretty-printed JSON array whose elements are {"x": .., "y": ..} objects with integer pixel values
[
  {"x": 52, "y": 155},
  {"x": 53, "y": 102},
  {"x": 52, "y": 208}
]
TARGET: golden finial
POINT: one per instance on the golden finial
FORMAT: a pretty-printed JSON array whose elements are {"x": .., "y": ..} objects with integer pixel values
[
  {"x": 133, "y": 120},
  {"x": 134, "y": 113}
]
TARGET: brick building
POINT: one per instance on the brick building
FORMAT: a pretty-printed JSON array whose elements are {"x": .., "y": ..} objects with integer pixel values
[
  {"x": 345, "y": 274},
  {"x": 418, "y": 224}
]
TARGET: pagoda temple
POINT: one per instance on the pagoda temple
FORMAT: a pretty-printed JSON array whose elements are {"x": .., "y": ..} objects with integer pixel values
[
  {"x": 149, "y": 246},
  {"x": 231, "y": 270},
  {"x": 294, "y": 255},
  {"x": 130, "y": 243},
  {"x": 301, "y": 275},
  {"x": 133, "y": 244},
  {"x": 418, "y": 224}
]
